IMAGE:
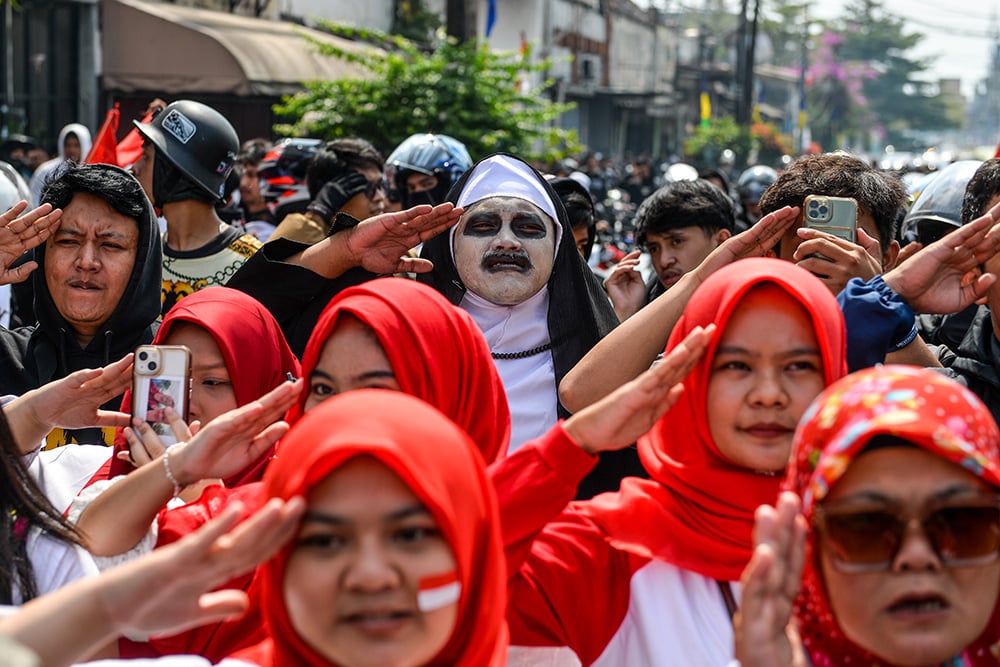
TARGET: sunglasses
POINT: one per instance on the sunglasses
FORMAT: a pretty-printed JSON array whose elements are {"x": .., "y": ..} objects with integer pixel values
[
  {"x": 373, "y": 187},
  {"x": 965, "y": 534}
]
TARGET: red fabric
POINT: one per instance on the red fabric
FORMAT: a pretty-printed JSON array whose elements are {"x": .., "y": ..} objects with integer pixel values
[
  {"x": 217, "y": 640},
  {"x": 436, "y": 351},
  {"x": 449, "y": 478},
  {"x": 702, "y": 505},
  {"x": 257, "y": 357},
  {"x": 130, "y": 147},
  {"x": 104, "y": 149},
  {"x": 918, "y": 405}
]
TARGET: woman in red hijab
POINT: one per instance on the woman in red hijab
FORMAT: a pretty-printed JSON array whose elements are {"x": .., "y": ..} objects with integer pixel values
[
  {"x": 256, "y": 359},
  {"x": 898, "y": 542},
  {"x": 239, "y": 354},
  {"x": 398, "y": 559},
  {"x": 427, "y": 348},
  {"x": 659, "y": 557},
  {"x": 390, "y": 333}
]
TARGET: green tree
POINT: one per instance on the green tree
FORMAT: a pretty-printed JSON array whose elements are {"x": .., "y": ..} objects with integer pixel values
[
  {"x": 463, "y": 90},
  {"x": 706, "y": 144},
  {"x": 783, "y": 22},
  {"x": 895, "y": 96}
]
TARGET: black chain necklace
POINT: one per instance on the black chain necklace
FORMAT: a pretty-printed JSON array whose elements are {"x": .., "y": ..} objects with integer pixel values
[{"x": 522, "y": 355}]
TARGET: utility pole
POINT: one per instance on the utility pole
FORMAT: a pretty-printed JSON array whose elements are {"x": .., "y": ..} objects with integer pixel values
[
  {"x": 741, "y": 64},
  {"x": 745, "y": 54},
  {"x": 460, "y": 19},
  {"x": 803, "y": 64},
  {"x": 748, "y": 88}
]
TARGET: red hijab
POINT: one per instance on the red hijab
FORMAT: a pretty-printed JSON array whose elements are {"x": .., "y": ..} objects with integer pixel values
[
  {"x": 436, "y": 351},
  {"x": 257, "y": 357},
  {"x": 917, "y": 405},
  {"x": 449, "y": 478},
  {"x": 700, "y": 505}
]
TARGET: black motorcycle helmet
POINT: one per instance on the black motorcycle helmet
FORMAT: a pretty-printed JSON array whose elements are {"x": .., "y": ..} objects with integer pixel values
[
  {"x": 938, "y": 209},
  {"x": 437, "y": 155},
  {"x": 196, "y": 140}
]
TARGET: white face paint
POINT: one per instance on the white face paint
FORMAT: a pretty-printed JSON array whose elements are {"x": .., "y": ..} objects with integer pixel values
[{"x": 504, "y": 249}]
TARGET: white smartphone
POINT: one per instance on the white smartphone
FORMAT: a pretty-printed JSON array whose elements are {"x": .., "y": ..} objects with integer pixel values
[
  {"x": 833, "y": 215},
  {"x": 161, "y": 378}
]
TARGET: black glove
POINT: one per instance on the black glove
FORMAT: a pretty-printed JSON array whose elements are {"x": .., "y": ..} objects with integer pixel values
[{"x": 336, "y": 193}]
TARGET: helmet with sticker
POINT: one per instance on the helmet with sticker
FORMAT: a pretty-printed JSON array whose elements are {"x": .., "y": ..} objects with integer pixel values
[{"x": 197, "y": 140}]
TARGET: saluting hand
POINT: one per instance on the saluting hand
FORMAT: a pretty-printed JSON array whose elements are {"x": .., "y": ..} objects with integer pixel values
[
  {"x": 379, "y": 244},
  {"x": 628, "y": 412},
  {"x": 944, "y": 277},
  {"x": 20, "y": 233},
  {"x": 765, "y": 635},
  {"x": 625, "y": 286},
  {"x": 754, "y": 242}
]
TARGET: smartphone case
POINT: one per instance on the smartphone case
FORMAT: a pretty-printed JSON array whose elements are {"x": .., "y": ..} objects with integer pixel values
[
  {"x": 161, "y": 377},
  {"x": 833, "y": 215}
]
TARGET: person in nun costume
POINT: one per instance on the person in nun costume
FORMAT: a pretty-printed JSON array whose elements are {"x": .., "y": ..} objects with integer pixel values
[{"x": 511, "y": 263}]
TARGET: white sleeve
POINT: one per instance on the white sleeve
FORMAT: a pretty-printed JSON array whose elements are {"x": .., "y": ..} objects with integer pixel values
[{"x": 87, "y": 496}]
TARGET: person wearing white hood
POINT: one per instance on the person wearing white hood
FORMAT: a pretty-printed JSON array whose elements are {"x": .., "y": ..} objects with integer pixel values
[
  {"x": 74, "y": 144},
  {"x": 512, "y": 263}
]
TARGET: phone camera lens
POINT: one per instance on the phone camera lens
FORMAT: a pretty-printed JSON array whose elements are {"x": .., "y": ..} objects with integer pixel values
[
  {"x": 143, "y": 356},
  {"x": 823, "y": 210},
  {"x": 152, "y": 365}
]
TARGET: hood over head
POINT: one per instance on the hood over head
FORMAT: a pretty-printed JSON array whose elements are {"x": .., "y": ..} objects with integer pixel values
[{"x": 131, "y": 322}]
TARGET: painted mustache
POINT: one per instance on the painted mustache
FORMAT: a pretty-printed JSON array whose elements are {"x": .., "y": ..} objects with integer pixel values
[{"x": 494, "y": 261}]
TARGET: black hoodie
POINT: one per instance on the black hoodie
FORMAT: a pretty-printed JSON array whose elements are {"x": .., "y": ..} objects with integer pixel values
[
  {"x": 580, "y": 314},
  {"x": 34, "y": 355}
]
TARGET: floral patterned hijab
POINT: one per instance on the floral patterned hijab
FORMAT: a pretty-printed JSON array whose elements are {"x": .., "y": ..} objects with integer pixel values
[{"x": 918, "y": 405}]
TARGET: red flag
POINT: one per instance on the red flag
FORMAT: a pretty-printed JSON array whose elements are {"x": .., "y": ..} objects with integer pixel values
[
  {"x": 105, "y": 149},
  {"x": 130, "y": 147}
]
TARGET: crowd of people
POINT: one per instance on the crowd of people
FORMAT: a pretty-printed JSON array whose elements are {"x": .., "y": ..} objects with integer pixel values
[{"x": 420, "y": 429}]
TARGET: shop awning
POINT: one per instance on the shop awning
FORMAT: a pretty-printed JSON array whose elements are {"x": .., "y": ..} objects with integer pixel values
[{"x": 163, "y": 47}]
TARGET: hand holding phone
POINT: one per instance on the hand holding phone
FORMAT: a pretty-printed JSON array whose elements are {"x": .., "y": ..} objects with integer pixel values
[
  {"x": 833, "y": 215},
  {"x": 161, "y": 379}
]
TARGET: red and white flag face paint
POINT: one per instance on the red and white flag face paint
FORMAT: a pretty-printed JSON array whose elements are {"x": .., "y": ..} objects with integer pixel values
[{"x": 439, "y": 591}]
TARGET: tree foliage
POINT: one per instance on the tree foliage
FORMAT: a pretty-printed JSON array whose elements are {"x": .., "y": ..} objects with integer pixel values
[
  {"x": 892, "y": 97},
  {"x": 464, "y": 90},
  {"x": 706, "y": 144},
  {"x": 784, "y": 24}
]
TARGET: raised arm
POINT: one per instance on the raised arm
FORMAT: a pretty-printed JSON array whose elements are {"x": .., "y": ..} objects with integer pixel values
[
  {"x": 634, "y": 344},
  {"x": 536, "y": 482},
  {"x": 944, "y": 277},
  {"x": 164, "y": 592},
  {"x": 120, "y": 516},
  {"x": 71, "y": 402},
  {"x": 379, "y": 244}
]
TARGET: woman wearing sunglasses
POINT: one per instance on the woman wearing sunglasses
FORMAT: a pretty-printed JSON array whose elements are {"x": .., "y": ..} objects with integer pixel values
[{"x": 898, "y": 540}]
